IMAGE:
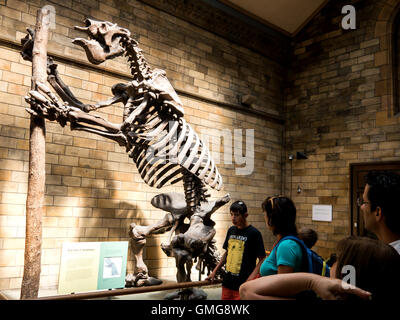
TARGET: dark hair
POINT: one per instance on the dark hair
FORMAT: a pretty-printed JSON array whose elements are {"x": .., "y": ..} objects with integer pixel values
[
  {"x": 376, "y": 263},
  {"x": 309, "y": 237},
  {"x": 384, "y": 192},
  {"x": 239, "y": 206},
  {"x": 281, "y": 214},
  {"x": 332, "y": 259}
]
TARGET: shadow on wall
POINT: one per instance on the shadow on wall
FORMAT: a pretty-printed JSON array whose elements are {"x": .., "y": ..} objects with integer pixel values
[
  {"x": 88, "y": 196},
  {"x": 86, "y": 199}
]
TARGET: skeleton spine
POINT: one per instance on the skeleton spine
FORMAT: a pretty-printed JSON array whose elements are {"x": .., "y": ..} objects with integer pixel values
[
  {"x": 195, "y": 191},
  {"x": 140, "y": 70}
]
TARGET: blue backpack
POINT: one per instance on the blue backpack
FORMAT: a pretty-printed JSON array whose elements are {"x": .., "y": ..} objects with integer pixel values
[{"x": 313, "y": 262}]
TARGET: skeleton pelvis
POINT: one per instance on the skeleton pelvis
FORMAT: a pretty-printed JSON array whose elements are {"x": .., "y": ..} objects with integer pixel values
[{"x": 173, "y": 202}]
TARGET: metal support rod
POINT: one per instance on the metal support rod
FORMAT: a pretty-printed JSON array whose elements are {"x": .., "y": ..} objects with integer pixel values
[{"x": 135, "y": 290}]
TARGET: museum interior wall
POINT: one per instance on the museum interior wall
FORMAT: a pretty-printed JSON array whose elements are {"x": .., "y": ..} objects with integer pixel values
[
  {"x": 334, "y": 93},
  {"x": 339, "y": 109},
  {"x": 93, "y": 189}
]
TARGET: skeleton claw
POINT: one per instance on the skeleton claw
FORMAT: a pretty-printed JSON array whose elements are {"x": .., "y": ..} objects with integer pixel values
[
  {"x": 46, "y": 90},
  {"x": 31, "y": 112},
  {"x": 38, "y": 96},
  {"x": 42, "y": 87}
]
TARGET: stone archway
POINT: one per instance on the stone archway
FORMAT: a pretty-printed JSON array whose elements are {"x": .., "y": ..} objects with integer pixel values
[{"x": 383, "y": 59}]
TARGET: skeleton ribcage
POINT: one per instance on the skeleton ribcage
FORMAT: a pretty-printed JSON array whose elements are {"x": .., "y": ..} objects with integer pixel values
[{"x": 163, "y": 147}]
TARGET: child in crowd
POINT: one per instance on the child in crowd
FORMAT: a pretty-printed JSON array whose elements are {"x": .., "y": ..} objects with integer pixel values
[
  {"x": 243, "y": 245},
  {"x": 309, "y": 237}
]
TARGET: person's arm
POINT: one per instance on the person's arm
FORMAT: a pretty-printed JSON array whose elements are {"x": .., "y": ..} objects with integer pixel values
[
  {"x": 288, "y": 255},
  {"x": 285, "y": 269},
  {"x": 287, "y": 286},
  {"x": 256, "y": 269},
  {"x": 211, "y": 276},
  {"x": 222, "y": 261},
  {"x": 260, "y": 252}
]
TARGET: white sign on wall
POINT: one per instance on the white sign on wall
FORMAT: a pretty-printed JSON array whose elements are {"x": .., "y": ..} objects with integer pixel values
[{"x": 321, "y": 212}]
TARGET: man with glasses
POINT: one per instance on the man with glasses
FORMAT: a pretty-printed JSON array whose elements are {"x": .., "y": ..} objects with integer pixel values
[
  {"x": 243, "y": 245},
  {"x": 380, "y": 206}
]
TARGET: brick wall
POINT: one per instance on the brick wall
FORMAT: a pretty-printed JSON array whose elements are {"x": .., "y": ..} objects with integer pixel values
[
  {"x": 339, "y": 109},
  {"x": 93, "y": 190}
]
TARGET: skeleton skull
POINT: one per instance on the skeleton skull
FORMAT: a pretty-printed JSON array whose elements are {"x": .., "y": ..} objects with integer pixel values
[{"x": 104, "y": 40}]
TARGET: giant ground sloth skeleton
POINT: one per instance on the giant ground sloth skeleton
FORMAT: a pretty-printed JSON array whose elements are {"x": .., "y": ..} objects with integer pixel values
[{"x": 163, "y": 146}]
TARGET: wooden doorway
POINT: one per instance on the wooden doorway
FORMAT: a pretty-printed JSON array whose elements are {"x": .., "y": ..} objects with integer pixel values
[{"x": 357, "y": 184}]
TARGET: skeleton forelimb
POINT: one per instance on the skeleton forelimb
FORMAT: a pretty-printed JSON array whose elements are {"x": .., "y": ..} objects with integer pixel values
[{"x": 45, "y": 104}]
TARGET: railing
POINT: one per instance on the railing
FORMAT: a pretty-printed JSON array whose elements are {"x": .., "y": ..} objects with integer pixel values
[
  {"x": 3, "y": 297},
  {"x": 125, "y": 291}
]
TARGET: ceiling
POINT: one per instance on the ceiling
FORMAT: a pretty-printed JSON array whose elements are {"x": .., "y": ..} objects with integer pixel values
[{"x": 287, "y": 16}]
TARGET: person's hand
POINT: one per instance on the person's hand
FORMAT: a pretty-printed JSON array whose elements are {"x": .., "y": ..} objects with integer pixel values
[
  {"x": 211, "y": 277},
  {"x": 253, "y": 277},
  {"x": 336, "y": 289}
]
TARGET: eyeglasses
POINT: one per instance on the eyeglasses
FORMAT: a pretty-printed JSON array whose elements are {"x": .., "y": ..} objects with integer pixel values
[{"x": 360, "y": 202}]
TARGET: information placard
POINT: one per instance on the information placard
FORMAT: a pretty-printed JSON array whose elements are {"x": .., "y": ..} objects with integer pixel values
[
  {"x": 89, "y": 266},
  {"x": 113, "y": 258}
]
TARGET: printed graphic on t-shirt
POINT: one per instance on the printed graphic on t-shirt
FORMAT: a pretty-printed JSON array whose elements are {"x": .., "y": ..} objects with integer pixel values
[{"x": 235, "y": 255}]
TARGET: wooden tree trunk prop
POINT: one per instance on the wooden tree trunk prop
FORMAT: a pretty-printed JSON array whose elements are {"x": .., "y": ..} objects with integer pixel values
[{"x": 37, "y": 173}]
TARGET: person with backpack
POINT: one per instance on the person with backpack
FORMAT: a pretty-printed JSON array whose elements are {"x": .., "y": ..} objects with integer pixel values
[
  {"x": 318, "y": 264},
  {"x": 365, "y": 269},
  {"x": 287, "y": 254},
  {"x": 310, "y": 238}
]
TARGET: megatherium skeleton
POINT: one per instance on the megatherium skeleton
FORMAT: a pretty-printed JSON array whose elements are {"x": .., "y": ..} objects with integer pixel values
[{"x": 163, "y": 146}]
